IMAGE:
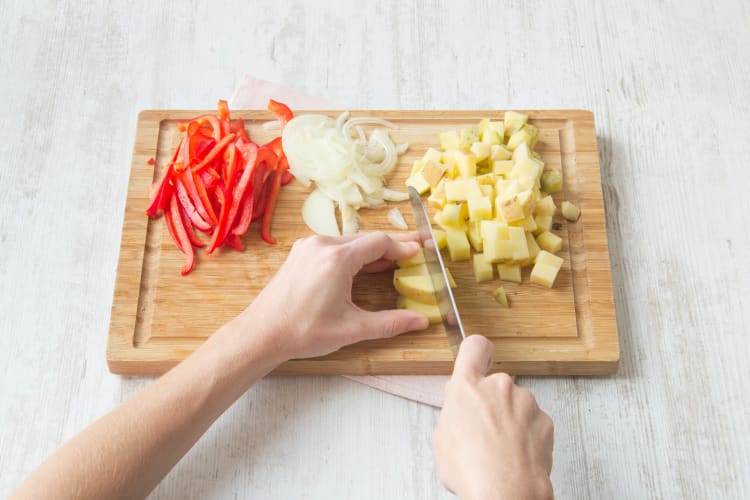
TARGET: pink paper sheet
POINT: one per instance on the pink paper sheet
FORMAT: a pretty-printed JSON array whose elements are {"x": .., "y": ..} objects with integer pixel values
[{"x": 252, "y": 93}]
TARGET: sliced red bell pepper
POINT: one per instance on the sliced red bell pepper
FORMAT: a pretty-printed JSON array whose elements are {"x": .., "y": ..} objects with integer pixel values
[
  {"x": 230, "y": 165},
  {"x": 220, "y": 231},
  {"x": 287, "y": 178},
  {"x": 223, "y": 109},
  {"x": 214, "y": 153},
  {"x": 194, "y": 240},
  {"x": 189, "y": 180},
  {"x": 281, "y": 110},
  {"x": 238, "y": 127},
  {"x": 189, "y": 207},
  {"x": 170, "y": 228},
  {"x": 234, "y": 241},
  {"x": 245, "y": 216},
  {"x": 273, "y": 194},
  {"x": 182, "y": 237},
  {"x": 215, "y": 124},
  {"x": 162, "y": 192}
]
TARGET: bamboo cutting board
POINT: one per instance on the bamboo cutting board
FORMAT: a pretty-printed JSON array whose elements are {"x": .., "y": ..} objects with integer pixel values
[{"x": 159, "y": 317}]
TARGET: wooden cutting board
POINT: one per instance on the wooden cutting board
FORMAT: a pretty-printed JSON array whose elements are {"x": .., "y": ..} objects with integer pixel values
[{"x": 159, "y": 317}]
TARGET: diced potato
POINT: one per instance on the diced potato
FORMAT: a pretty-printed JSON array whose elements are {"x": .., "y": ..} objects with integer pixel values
[
  {"x": 551, "y": 181},
  {"x": 493, "y": 230},
  {"x": 527, "y": 223},
  {"x": 482, "y": 268},
  {"x": 416, "y": 287},
  {"x": 418, "y": 270},
  {"x": 512, "y": 187},
  {"x": 533, "y": 133},
  {"x": 521, "y": 153},
  {"x": 518, "y": 137},
  {"x": 474, "y": 236},
  {"x": 432, "y": 155},
  {"x": 431, "y": 311},
  {"x": 481, "y": 150},
  {"x": 487, "y": 190},
  {"x": 491, "y": 132},
  {"x": 439, "y": 238},
  {"x": 545, "y": 206},
  {"x": 416, "y": 167},
  {"x": 491, "y": 137},
  {"x": 458, "y": 245},
  {"x": 525, "y": 168},
  {"x": 466, "y": 163},
  {"x": 509, "y": 207},
  {"x": 525, "y": 200},
  {"x": 509, "y": 272},
  {"x": 546, "y": 269},
  {"x": 518, "y": 242},
  {"x": 433, "y": 172},
  {"x": 502, "y": 167},
  {"x": 549, "y": 242},
  {"x": 513, "y": 121},
  {"x": 416, "y": 260},
  {"x": 499, "y": 152},
  {"x": 480, "y": 208},
  {"x": 468, "y": 136},
  {"x": 463, "y": 211},
  {"x": 543, "y": 223},
  {"x": 450, "y": 217},
  {"x": 418, "y": 182},
  {"x": 451, "y": 281},
  {"x": 500, "y": 297},
  {"x": 437, "y": 197},
  {"x": 570, "y": 211},
  {"x": 498, "y": 250},
  {"x": 533, "y": 248},
  {"x": 449, "y": 140},
  {"x": 461, "y": 189}
]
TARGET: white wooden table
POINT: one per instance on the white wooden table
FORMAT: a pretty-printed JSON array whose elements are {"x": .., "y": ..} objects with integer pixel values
[{"x": 669, "y": 86}]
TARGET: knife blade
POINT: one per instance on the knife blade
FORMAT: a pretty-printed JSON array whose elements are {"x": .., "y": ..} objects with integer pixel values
[{"x": 436, "y": 269}]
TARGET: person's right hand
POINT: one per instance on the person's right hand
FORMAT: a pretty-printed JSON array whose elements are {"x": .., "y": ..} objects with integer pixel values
[{"x": 492, "y": 441}]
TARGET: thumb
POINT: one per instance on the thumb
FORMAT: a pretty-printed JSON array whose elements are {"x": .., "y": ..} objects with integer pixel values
[
  {"x": 474, "y": 357},
  {"x": 384, "y": 324}
]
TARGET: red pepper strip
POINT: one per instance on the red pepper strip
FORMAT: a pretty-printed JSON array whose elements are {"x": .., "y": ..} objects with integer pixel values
[
  {"x": 161, "y": 194},
  {"x": 182, "y": 237},
  {"x": 245, "y": 216},
  {"x": 234, "y": 241},
  {"x": 208, "y": 180},
  {"x": 194, "y": 240},
  {"x": 230, "y": 165},
  {"x": 223, "y": 108},
  {"x": 170, "y": 227},
  {"x": 189, "y": 207},
  {"x": 281, "y": 110},
  {"x": 213, "y": 122},
  {"x": 260, "y": 206},
  {"x": 238, "y": 127},
  {"x": 211, "y": 156},
  {"x": 203, "y": 195},
  {"x": 286, "y": 178},
  {"x": 273, "y": 194},
  {"x": 220, "y": 231},
  {"x": 192, "y": 188},
  {"x": 275, "y": 146}
]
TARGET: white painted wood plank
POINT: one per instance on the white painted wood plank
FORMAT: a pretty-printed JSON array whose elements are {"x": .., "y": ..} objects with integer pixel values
[{"x": 668, "y": 85}]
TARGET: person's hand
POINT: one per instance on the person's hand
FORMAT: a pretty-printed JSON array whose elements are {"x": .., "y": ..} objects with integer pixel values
[
  {"x": 307, "y": 307},
  {"x": 492, "y": 441}
]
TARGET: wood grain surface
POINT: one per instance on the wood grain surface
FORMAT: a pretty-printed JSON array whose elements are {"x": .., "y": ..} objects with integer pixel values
[
  {"x": 159, "y": 317},
  {"x": 667, "y": 82}
]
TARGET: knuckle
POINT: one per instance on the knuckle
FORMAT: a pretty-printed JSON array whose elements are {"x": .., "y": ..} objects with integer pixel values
[{"x": 503, "y": 381}]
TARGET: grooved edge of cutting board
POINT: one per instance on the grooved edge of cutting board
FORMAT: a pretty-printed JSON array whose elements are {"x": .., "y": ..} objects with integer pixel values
[{"x": 589, "y": 348}]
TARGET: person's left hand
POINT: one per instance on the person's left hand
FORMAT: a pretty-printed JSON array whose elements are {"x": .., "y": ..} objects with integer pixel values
[{"x": 306, "y": 309}]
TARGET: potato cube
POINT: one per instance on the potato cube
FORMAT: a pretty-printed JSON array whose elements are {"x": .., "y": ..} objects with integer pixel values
[
  {"x": 533, "y": 247},
  {"x": 418, "y": 270},
  {"x": 525, "y": 200},
  {"x": 431, "y": 311},
  {"x": 472, "y": 233},
  {"x": 518, "y": 137},
  {"x": 509, "y": 272},
  {"x": 518, "y": 242},
  {"x": 433, "y": 172},
  {"x": 491, "y": 132},
  {"x": 527, "y": 223},
  {"x": 481, "y": 150},
  {"x": 432, "y": 155},
  {"x": 437, "y": 197},
  {"x": 487, "y": 190},
  {"x": 499, "y": 152},
  {"x": 513, "y": 121},
  {"x": 500, "y": 297},
  {"x": 493, "y": 230},
  {"x": 458, "y": 244},
  {"x": 417, "y": 166},
  {"x": 491, "y": 137},
  {"x": 480, "y": 208},
  {"x": 502, "y": 167},
  {"x": 533, "y": 132},
  {"x": 439, "y": 238},
  {"x": 462, "y": 189},
  {"x": 418, "y": 182},
  {"x": 546, "y": 269},
  {"x": 521, "y": 152},
  {"x": 549, "y": 242},
  {"x": 451, "y": 281},
  {"x": 570, "y": 211},
  {"x": 468, "y": 136},
  {"x": 416, "y": 260},
  {"x": 498, "y": 250},
  {"x": 449, "y": 140},
  {"x": 450, "y": 217},
  {"x": 525, "y": 169},
  {"x": 482, "y": 268},
  {"x": 509, "y": 207},
  {"x": 543, "y": 223},
  {"x": 551, "y": 181},
  {"x": 545, "y": 206},
  {"x": 466, "y": 163}
]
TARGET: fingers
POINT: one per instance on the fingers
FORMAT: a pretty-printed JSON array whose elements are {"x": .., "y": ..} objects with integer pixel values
[
  {"x": 474, "y": 357},
  {"x": 372, "y": 247},
  {"x": 384, "y": 324}
]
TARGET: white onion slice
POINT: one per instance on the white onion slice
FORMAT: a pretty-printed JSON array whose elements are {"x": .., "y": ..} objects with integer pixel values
[
  {"x": 318, "y": 213},
  {"x": 396, "y": 218},
  {"x": 349, "y": 219},
  {"x": 391, "y": 195},
  {"x": 272, "y": 125}
]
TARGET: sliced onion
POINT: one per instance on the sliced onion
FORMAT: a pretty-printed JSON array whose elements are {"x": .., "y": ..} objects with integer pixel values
[
  {"x": 272, "y": 125},
  {"x": 318, "y": 213},
  {"x": 349, "y": 219},
  {"x": 391, "y": 195},
  {"x": 396, "y": 218}
]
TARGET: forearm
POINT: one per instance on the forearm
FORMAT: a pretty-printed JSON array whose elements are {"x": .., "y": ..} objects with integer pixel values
[{"x": 129, "y": 450}]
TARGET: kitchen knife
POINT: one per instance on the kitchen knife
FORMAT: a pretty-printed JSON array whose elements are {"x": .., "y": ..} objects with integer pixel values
[{"x": 436, "y": 269}]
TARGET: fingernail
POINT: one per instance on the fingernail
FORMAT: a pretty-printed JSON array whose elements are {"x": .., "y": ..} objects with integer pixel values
[
  {"x": 413, "y": 245},
  {"x": 419, "y": 323}
]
